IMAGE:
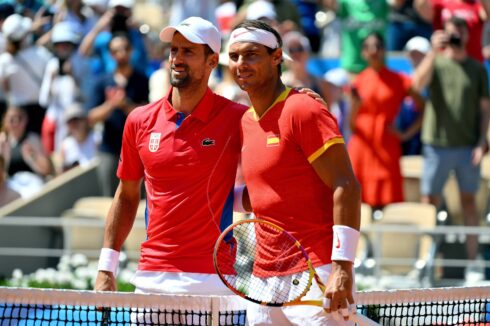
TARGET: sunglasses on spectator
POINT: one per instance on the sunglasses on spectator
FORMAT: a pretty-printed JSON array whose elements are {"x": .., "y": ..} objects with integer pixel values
[
  {"x": 296, "y": 49},
  {"x": 375, "y": 46},
  {"x": 16, "y": 119},
  {"x": 121, "y": 49}
]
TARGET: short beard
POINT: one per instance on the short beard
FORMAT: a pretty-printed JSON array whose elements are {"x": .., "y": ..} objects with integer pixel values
[{"x": 180, "y": 83}]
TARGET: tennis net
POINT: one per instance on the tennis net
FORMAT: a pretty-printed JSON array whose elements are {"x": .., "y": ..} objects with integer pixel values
[
  {"x": 23, "y": 306},
  {"x": 438, "y": 306}
]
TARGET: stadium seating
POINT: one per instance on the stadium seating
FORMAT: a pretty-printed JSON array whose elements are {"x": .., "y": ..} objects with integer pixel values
[
  {"x": 411, "y": 167},
  {"x": 364, "y": 248},
  {"x": 86, "y": 238},
  {"x": 403, "y": 253}
]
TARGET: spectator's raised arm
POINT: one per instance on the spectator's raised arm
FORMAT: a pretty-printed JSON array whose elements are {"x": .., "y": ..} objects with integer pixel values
[
  {"x": 87, "y": 45},
  {"x": 424, "y": 9},
  {"x": 423, "y": 74}
]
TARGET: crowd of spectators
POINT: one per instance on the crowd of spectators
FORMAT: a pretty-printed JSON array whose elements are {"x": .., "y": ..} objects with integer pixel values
[{"x": 72, "y": 70}]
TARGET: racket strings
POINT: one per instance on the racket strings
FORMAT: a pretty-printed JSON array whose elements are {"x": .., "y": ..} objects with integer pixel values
[{"x": 264, "y": 264}]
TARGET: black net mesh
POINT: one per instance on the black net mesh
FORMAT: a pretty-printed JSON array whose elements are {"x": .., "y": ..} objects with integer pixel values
[
  {"x": 54, "y": 311},
  {"x": 459, "y": 312}
]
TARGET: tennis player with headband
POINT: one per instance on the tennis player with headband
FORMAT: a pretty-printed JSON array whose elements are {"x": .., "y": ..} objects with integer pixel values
[{"x": 298, "y": 175}]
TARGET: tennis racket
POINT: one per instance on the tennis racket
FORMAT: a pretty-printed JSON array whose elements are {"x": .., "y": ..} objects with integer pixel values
[{"x": 263, "y": 263}]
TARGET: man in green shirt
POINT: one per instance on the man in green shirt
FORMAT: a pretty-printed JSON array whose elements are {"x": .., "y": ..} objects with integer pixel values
[
  {"x": 359, "y": 18},
  {"x": 454, "y": 131}
]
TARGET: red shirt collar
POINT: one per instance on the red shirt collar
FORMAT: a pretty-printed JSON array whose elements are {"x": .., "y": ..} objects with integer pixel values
[{"x": 201, "y": 112}]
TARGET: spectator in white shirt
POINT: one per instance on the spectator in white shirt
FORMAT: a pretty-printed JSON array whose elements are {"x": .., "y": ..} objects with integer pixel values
[
  {"x": 22, "y": 69},
  {"x": 80, "y": 146}
]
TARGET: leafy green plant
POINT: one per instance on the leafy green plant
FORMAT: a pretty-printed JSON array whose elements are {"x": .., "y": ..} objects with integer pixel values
[{"x": 73, "y": 272}]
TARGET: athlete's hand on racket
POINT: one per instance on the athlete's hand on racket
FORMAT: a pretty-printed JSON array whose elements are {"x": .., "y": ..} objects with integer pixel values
[
  {"x": 263, "y": 263},
  {"x": 339, "y": 289}
]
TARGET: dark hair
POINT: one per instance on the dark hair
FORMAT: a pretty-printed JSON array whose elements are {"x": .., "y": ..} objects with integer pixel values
[
  {"x": 119, "y": 23},
  {"x": 13, "y": 47},
  {"x": 457, "y": 21},
  {"x": 207, "y": 50},
  {"x": 122, "y": 35},
  {"x": 377, "y": 36},
  {"x": 260, "y": 24}
]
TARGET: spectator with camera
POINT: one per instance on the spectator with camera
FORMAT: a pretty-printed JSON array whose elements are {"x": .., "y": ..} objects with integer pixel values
[
  {"x": 454, "y": 131},
  {"x": 117, "y": 20},
  {"x": 475, "y": 13}
]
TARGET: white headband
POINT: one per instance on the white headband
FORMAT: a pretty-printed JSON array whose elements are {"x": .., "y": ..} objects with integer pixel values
[{"x": 259, "y": 36}]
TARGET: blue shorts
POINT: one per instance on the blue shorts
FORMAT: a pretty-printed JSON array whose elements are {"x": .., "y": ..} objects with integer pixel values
[{"x": 440, "y": 161}]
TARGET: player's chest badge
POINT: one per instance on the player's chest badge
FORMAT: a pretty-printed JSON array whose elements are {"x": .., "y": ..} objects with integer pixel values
[
  {"x": 154, "y": 142},
  {"x": 206, "y": 142},
  {"x": 273, "y": 140}
]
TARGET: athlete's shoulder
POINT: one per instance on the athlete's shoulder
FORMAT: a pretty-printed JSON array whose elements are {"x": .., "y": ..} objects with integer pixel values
[
  {"x": 299, "y": 103},
  {"x": 141, "y": 113},
  {"x": 229, "y": 105}
]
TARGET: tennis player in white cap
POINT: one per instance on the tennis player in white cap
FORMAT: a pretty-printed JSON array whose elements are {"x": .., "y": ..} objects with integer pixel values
[{"x": 185, "y": 147}]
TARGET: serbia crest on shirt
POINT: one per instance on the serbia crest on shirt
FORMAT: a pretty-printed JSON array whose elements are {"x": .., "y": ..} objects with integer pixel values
[{"x": 154, "y": 142}]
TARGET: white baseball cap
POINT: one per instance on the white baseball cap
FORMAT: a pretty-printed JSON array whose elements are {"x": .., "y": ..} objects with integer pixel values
[
  {"x": 75, "y": 110},
  {"x": 261, "y": 9},
  {"x": 337, "y": 77},
  {"x": 100, "y": 3},
  {"x": 292, "y": 36},
  {"x": 64, "y": 32},
  {"x": 196, "y": 30},
  {"x": 418, "y": 43},
  {"x": 122, "y": 3},
  {"x": 15, "y": 27}
]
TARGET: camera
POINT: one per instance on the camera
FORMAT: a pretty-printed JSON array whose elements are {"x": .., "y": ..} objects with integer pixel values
[
  {"x": 454, "y": 40},
  {"x": 119, "y": 23}
]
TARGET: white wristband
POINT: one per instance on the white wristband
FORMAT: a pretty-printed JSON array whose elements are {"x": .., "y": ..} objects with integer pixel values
[
  {"x": 108, "y": 260},
  {"x": 238, "y": 200},
  {"x": 345, "y": 241}
]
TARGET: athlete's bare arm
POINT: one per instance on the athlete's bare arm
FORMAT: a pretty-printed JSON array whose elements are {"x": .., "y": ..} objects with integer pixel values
[
  {"x": 119, "y": 222},
  {"x": 335, "y": 169}
]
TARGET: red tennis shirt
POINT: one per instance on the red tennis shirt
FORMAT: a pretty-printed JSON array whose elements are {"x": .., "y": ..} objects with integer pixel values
[
  {"x": 189, "y": 168},
  {"x": 277, "y": 151}
]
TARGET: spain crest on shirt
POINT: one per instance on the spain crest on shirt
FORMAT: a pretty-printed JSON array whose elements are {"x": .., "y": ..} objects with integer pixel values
[
  {"x": 273, "y": 140},
  {"x": 154, "y": 143}
]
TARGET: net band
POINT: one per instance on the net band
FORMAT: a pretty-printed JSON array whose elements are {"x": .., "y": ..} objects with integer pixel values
[
  {"x": 22, "y": 306},
  {"x": 29, "y": 306}
]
